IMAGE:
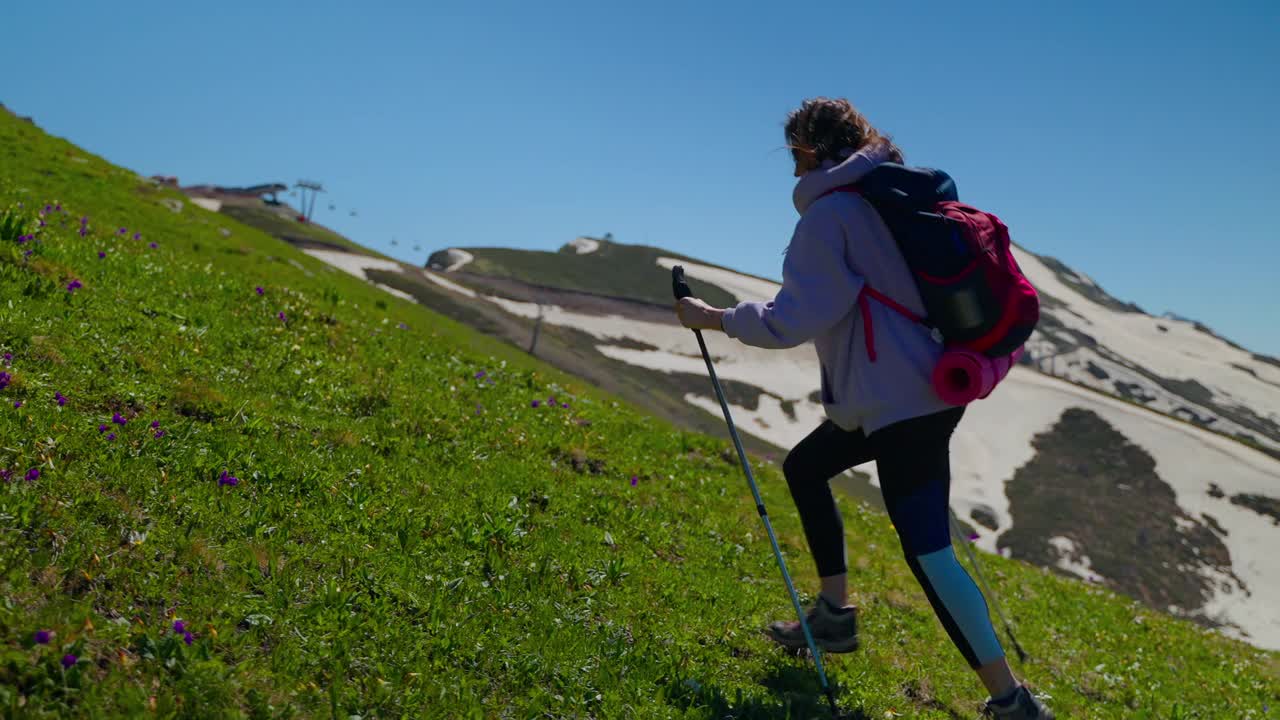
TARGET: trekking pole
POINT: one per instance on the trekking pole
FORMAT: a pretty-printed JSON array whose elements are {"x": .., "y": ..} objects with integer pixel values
[
  {"x": 973, "y": 560},
  {"x": 681, "y": 289}
]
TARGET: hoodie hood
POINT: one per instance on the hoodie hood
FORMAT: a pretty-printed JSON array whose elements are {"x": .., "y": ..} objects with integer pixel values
[{"x": 830, "y": 175}]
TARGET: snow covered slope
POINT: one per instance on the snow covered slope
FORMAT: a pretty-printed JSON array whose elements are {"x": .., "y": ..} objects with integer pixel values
[{"x": 1172, "y": 365}]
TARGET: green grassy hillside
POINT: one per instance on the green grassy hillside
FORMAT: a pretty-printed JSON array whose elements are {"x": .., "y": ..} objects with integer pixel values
[{"x": 423, "y": 523}]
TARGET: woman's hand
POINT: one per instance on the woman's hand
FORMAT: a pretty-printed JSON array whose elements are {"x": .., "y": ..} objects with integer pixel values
[{"x": 697, "y": 315}]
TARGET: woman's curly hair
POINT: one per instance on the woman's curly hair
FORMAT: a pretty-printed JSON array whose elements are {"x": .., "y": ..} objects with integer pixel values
[{"x": 821, "y": 127}]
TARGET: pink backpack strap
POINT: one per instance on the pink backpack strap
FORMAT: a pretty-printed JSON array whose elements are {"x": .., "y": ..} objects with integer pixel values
[
  {"x": 867, "y": 291},
  {"x": 892, "y": 304},
  {"x": 868, "y": 327}
]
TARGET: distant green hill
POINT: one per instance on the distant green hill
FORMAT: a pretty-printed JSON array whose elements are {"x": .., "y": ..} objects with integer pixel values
[
  {"x": 425, "y": 522},
  {"x": 615, "y": 270},
  {"x": 279, "y": 223}
]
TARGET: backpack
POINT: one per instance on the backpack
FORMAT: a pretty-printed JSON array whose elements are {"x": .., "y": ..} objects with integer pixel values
[{"x": 976, "y": 298}]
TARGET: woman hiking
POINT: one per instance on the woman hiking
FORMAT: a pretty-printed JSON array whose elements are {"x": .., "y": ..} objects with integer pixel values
[{"x": 877, "y": 393}]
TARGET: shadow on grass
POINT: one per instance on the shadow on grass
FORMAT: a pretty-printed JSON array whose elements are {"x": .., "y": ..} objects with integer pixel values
[{"x": 796, "y": 695}]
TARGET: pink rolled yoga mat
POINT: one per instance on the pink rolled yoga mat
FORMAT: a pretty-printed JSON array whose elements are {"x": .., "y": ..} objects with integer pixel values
[{"x": 963, "y": 376}]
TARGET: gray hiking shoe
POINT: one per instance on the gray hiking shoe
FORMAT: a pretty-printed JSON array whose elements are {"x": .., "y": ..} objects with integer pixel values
[
  {"x": 835, "y": 630},
  {"x": 1022, "y": 706}
]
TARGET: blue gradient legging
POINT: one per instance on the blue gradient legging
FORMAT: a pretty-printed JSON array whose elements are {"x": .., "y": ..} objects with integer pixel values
[{"x": 913, "y": 460}]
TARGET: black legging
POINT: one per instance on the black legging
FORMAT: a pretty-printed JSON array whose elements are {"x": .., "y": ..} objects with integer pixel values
[{"x": 913, "y": 460}]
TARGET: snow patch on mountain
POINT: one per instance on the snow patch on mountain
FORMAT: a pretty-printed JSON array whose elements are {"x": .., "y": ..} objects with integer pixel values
[
  {"x": 210, "y": 204},
  {"x": 449, "y": 284},
  {"x": 584, "y": 245},
  {"x": 451, "y": 259},
  {"x": 353, "y": 263},
  {"x": 394, "y": 291},
  {"x": 1090, "y": 367},
  {"x": 1071, "y": 560},
  {"x": 1170, "y": 348},
  {"x": 769, "y": 420}
]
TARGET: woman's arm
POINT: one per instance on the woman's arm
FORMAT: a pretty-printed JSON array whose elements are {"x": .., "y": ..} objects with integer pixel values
[
  {"x": 774, "y": 327},
  {"x": 818, "y": 288}
]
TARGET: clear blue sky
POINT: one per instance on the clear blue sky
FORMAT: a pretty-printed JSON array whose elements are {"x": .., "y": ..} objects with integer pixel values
[{"x": 1135, "y": 141}]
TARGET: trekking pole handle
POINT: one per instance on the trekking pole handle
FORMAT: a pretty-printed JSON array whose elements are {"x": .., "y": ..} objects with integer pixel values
[{"x": 678, "y": 284}]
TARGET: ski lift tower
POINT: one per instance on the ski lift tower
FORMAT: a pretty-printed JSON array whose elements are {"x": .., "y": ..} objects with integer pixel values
[{"x": 315, "y": 188}]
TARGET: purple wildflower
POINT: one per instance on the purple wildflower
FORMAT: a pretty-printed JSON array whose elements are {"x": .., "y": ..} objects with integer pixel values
[
  {"x": 47, "y": 209},
  {"x": 84, "y": 231},
  {"x": 28, "y": 253},
  {"x": 118, "y": 419},
  {"x": 84, "y": 220},
  {"x": 187, "y": 638},
  {"x": 32, "y": 475},
  {"x": 228, "y": 479},
  {"x": 74, "y": 285},
  {"x": 137, "y": 236},
  {"x": 4, "y": 380},
  {"x": 403, "y": 326},
  {"x": 5, "y": 474},
  {"x": 60, "y": 399},
  {"x": 41, "y": 223},
  {"x": 155, "y": 423},
  {"x": 17, "y": 404},
  {"x": 634, "y": 480},
  {"x": 153, "y": 246},
  {"x": 68, "y": 660},
  {"x": 535, "y": 403},
  {"x": 179, "y": 626},
  {"x": 551, "y": 401},
  {"x": 102, "y": 428},
  {"x": 23, "y": 238},
  {"x": 259, "y": 290},
  {"x": 281, "y": 316},
  {"x": 8, "y": 358},
  {"x": 479, "y": 408},
  {"x": 159, "y": 434},
  {"x": 480, "y": 375},
  {"x": 42, "y": 637},
  {"x": 122, "y": 231},
  {"x": 111, "y": 436},
  {"x": 564, "y": 405},
  {"x": 102, "y": 255}
]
